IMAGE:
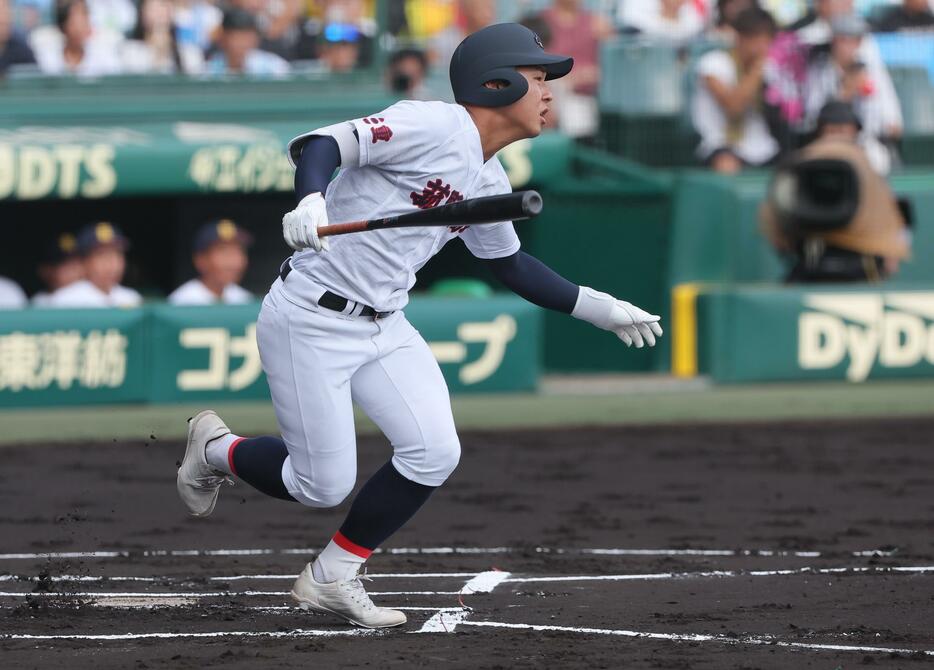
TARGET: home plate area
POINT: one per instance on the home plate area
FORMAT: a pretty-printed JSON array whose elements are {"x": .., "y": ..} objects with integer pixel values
[
  {"x": 818, "y": 607},
  {"x": 768, "y": 546}
]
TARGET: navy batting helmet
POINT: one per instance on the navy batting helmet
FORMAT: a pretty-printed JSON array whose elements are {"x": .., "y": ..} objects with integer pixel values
[{"x": 494, "y": 53}]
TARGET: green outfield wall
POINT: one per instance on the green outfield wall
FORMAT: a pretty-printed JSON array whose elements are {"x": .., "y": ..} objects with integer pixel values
[
  {"x": 745, "y": 333},
  {"x": 161, "y": 353}
]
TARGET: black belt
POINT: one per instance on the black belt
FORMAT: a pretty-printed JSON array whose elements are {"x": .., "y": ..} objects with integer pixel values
[{"x": 333, "y": 301}]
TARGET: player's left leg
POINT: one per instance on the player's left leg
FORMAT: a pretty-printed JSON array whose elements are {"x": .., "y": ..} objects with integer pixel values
[{"x": 404, "y": 393}]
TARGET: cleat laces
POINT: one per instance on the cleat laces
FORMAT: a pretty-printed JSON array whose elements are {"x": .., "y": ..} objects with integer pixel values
[
  {"x": 354, "y": 588},
  {"x": 212, "y": 481}
]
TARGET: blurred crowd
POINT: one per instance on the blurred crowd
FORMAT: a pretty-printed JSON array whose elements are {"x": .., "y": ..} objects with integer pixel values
[{"x": 769, "y": 66}]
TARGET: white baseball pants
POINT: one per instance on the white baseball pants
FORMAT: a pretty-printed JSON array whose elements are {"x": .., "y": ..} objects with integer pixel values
[{"x": 319, "y": 361}]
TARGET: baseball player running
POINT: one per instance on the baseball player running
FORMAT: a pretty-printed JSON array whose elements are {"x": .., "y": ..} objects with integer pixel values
[{"x": 331, "y": 330}]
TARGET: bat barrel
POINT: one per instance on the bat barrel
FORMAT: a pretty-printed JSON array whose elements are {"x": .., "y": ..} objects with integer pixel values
[{"x": 531, "y": 203}]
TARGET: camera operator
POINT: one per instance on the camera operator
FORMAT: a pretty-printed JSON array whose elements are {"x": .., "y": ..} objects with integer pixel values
[{"x": 831, "y": 212}]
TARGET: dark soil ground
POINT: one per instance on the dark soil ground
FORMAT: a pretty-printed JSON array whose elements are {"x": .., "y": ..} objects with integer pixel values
[{"x": 840, "y": 489}]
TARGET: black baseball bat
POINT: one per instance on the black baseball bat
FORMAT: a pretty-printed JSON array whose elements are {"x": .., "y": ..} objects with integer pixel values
[{"x": 489, "y": 209}]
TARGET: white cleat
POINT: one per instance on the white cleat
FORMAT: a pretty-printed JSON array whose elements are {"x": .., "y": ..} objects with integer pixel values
[
  {"x": 198, "y": 482},
  {"x": 347, "y": 600}
]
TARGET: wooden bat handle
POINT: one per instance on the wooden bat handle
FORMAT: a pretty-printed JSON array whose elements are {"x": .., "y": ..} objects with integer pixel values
[{"x": 342, "y": 228}]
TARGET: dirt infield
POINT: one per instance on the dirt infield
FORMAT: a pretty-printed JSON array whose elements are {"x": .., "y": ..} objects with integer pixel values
[{"x": 799, "y": 545}]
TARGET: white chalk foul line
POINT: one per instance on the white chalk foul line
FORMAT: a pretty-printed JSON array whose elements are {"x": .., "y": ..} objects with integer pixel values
[
  {"x": 439, "y": 551},
  {"x": 232, "y": 578},
  {"x": 726, "y": 573},
  {"x": 208, "y": 594},
  {"x": 481, "y": 582},
  {"x": 696, "y": 637},
  {"x": 445, "y": 620},
  {"x": 162, "y": 636}
]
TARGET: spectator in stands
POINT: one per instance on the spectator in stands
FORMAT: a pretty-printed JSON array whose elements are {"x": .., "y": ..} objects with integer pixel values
[
  {"x": 278, "y": 22},
  {"x": 11, "y": 295},
  {"x": 72, "y": 46},
  {"x": 727, "y": 11},
  {"x": 220, "y": 258},
  {"x": 675, "y": 21},
  {"x": 30, "y": 14},
  {"x": 153, "y": 48},
  {"x": 831, "y": 212},
  {"x": 472, "y": 15},
  {"x": 814, "y": 27},
  {"x": 910, "y": 15},
  {"x": 576, "y": 32},
  {"x": 405, "y": 74},
  {"x": 727, "y": 108},
  {"x": 239, "y": 49},
  {"x": 113, "y": 16},
  {"x": 196, "y": 22},
  {"x": 60, "y": 266},
  {"x": 102, "y": 248},
  {"x": 840, "y": 74},
  {"x": 339, "y": 47},
  {"x": 14, "y": 50}
]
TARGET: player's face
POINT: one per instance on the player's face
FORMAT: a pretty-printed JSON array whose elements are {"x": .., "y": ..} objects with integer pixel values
[
  {"x": 221, "y": 264},
  {"x": 530, "y": 111},
  {"x": 104, "y": 267}
]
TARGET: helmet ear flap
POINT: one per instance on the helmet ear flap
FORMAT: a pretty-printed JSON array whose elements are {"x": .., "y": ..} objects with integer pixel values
[{"x": 517, "y": 86}]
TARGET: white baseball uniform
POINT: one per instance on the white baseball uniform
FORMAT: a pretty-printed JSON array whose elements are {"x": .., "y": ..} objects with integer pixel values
[
  {"x": 83, "y": 293},
  {"x": 194, "y": 292},
  {"x": 11, "y": 295},
  {"x": 317, "y": 360}
]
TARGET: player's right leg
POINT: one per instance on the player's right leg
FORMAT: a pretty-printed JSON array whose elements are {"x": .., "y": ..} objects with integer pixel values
[{"x": 308, "y": 358}]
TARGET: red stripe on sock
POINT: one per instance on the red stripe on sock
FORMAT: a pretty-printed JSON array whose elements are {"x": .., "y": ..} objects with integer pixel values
[
  {"x": 352, "y": 547},
  {"x": 230, "y": 461}
]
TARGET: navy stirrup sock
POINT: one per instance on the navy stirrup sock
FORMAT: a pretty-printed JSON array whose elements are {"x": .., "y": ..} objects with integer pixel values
[
  {"x": 258, "y": 461},
  {"x": 382, "y": 507}
]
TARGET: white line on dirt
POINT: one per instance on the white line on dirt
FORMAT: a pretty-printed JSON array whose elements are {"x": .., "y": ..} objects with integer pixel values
[
  {"x": 726, "y": 573},
  {"x": 144, "y": 604},
  {"x": 481, "y": 583},
  {"x": 484, "y": 582},
  {"x": 442, "y": 551},
  {"x": 445, "y": 620},
  {"x": 232, "y": 578},
  {"x": 208, "y": 594},
  {"x": 226, "y": 633},
  {"x": 694, "y": 637}
]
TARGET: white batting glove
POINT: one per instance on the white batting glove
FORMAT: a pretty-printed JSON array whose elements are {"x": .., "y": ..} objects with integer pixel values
[
  {"x": 631, "y": 324},
  {"x": 300, "y": 226}
]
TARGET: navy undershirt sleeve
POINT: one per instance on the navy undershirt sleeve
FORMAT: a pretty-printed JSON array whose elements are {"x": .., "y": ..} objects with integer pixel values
[
  {"x": 529, "y": 278},
  {"x": 319, "y": 159}
]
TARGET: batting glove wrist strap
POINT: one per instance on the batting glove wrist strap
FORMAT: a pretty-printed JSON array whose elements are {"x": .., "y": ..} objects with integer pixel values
[
  {"x": 594, "y": 307},
  {"x": 631, "y": 324}
]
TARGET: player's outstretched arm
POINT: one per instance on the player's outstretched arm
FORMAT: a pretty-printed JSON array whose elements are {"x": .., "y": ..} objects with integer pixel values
[{"x": 531, "y": 279}]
